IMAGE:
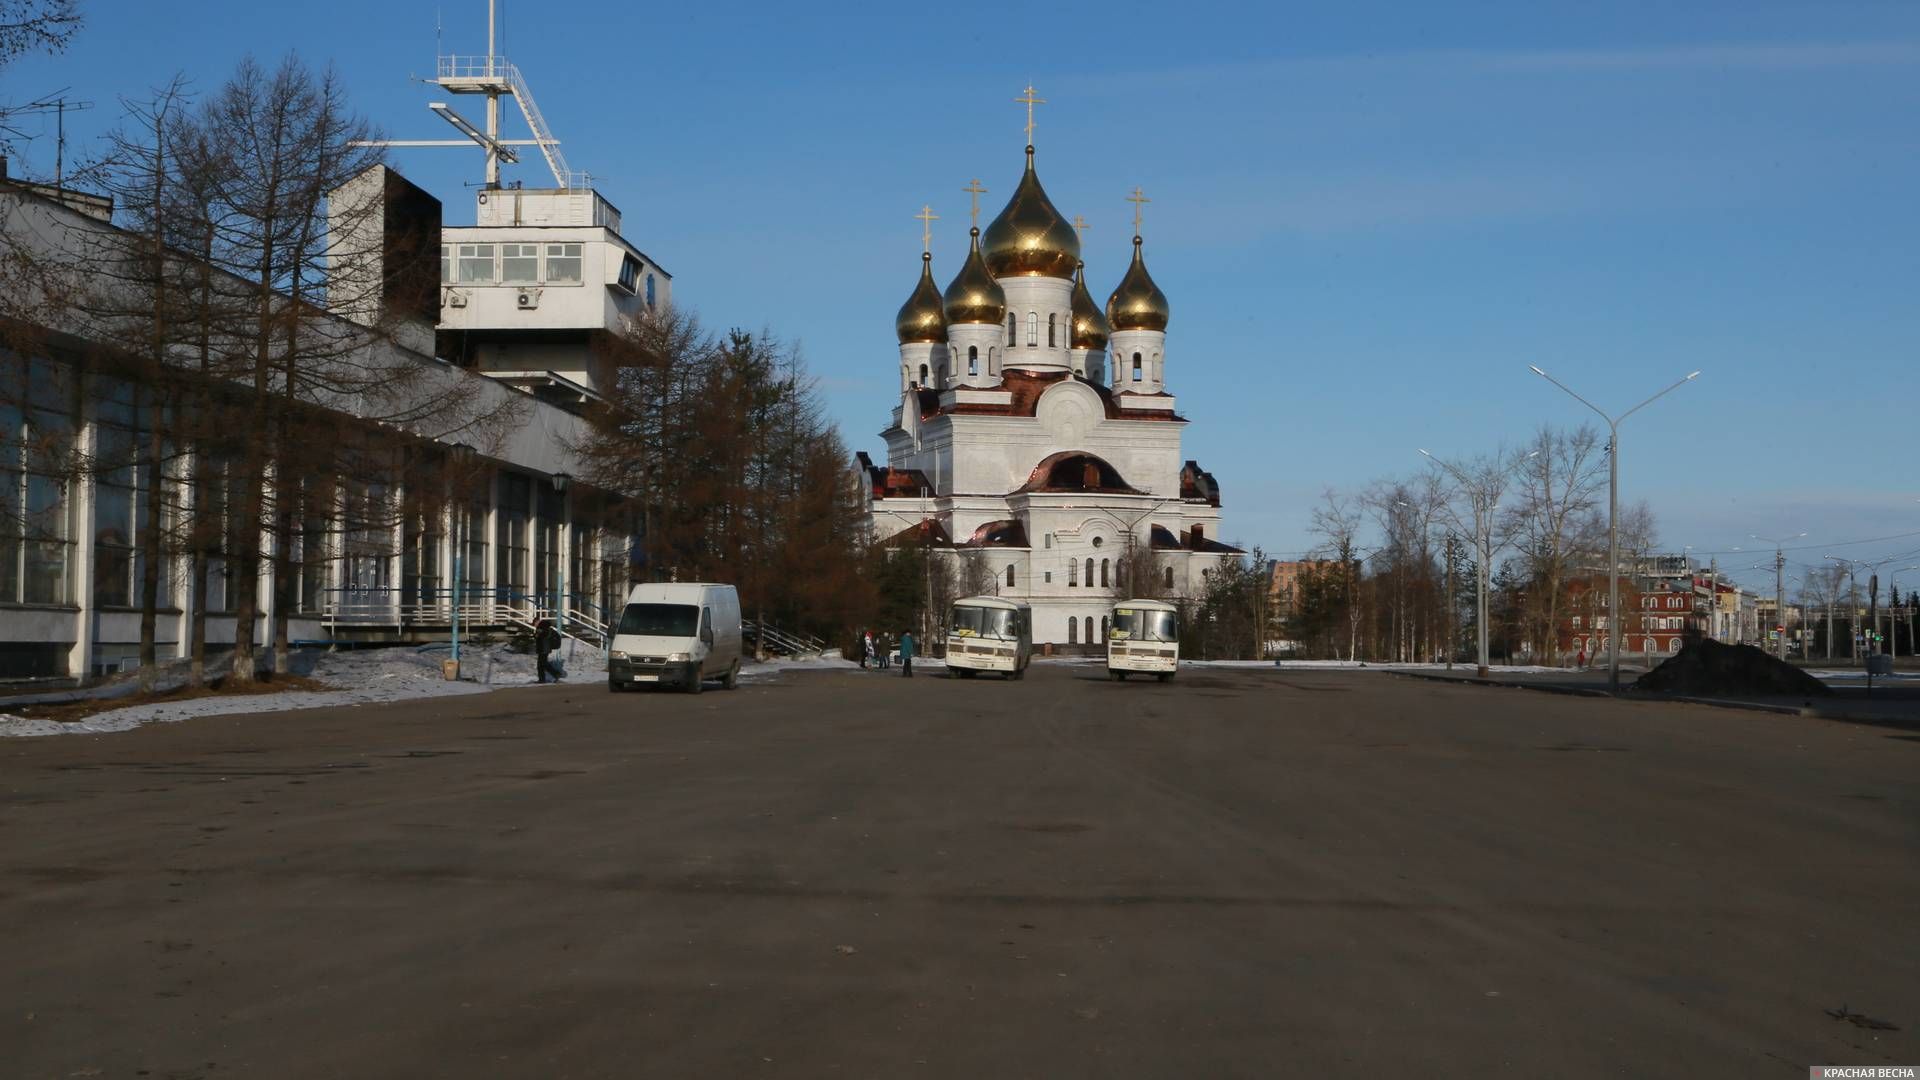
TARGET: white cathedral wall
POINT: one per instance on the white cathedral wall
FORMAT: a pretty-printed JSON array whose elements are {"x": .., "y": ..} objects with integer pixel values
[
  {"x": 1151, "y": 345},
  {"x": 1043, "y": 298}
]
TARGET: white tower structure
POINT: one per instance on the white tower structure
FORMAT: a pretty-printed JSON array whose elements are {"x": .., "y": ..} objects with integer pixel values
[
  {"x": 1138, "y": 312},
  {"x": 543, "y": 273}
]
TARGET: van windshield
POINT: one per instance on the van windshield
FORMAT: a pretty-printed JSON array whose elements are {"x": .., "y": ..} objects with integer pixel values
[
  {"x": 1142, "y": 624},
  {"x": 968, "y": 621},
  {"x": 659, "y": 620}
]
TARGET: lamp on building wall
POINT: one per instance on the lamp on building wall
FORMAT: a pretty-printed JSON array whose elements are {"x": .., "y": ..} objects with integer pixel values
[{"x": 560, "y": 482}]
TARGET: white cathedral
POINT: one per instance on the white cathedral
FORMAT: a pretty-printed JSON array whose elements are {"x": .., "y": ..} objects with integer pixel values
[{"x": 1035, "y": 436}]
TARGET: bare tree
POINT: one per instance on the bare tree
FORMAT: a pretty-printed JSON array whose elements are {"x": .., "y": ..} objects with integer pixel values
[
  {"x": 1337, "y": 522},
  {"x": 28, "y": 26},
  {"x": 1559, "y": 478}
]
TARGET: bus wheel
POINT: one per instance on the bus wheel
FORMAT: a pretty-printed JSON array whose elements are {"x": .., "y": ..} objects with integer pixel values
[
  {"x": 1017, "y": 673},
  {"x": 1166, "y": 676},
  {"x": 1121, "y": 675}
]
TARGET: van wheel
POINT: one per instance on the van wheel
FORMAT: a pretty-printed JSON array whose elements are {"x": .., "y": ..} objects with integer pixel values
[
  {"x": 614, "y": 685},
  {"x": 693, "y": 679},
  {"x": 732, "y": 679}
]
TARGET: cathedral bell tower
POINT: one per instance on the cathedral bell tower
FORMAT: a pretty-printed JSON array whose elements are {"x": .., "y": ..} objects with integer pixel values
[
  {"x": 1138, "y": 312},
  {"x": 921, "y": 325}
]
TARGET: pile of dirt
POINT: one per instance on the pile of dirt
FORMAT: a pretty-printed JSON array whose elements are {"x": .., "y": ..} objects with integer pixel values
[{"x": 1710, "y": 668}]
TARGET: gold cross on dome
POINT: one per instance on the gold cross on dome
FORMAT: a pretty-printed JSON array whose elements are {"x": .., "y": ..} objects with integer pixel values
[
  {"x": 1080, "y": 226},
  {"x": 926, "y": 217},
  {"x": 1138, "y": 199},
  {"x": 974, "y": 190},
  {"x": 1029, "y": 99}
]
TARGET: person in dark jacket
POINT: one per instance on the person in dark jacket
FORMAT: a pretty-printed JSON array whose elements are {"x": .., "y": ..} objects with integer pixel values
[
  {"x": 906, "y": 654},
  {"x": 546, "y": 642}
]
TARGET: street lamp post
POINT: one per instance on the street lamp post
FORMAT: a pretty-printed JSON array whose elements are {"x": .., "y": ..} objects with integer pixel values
[
  {"x": 1779, "y": 583},
  {"x": 1613, "y": 513}
]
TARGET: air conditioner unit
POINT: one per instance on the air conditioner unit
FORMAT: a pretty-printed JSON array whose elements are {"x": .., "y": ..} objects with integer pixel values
[
  {"x": 528, "y": 299},
  {"x": 456, "y": 298}
]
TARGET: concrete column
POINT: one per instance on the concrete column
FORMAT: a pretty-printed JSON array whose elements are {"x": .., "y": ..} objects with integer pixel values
[
  {"x": 183, "y": 561},
  {"x": 80, "y": 553}
]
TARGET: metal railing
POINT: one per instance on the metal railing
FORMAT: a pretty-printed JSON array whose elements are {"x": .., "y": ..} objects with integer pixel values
[
  {"x": 478, "y": 610},
  {"x": 775, "y": 640}
]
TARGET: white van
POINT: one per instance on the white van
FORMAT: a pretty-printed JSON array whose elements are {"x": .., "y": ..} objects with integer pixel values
[
  {"x": 677, "y": 634},
  {"x": 986, "y": 633},
  {"x": 1144, "y": 639}
]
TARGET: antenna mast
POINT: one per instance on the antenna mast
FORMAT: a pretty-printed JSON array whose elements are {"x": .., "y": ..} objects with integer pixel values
[{"x": 494, "y": 77}]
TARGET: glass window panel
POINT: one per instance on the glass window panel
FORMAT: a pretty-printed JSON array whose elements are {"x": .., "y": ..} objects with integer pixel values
[
  {"x": 113, "y": 515},
  {"x": 45, "y": 572},
  {"x": 9, "y": 570},
  {"x": 519, "y": 263},
  {"x": 46, "y": 510},
  {"x": 476, "y": 263},
  {"x": 563, "y": 263},
  {"x": 113, "y": 576}
]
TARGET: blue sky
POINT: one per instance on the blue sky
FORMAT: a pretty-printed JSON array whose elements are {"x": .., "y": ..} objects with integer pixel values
[{"x": 1369, "y": 217}]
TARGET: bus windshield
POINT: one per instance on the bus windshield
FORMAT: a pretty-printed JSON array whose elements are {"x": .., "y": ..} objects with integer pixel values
[
  {"x": 1142, "y": 624},
  {"x": 659, "y": 620},
  {"x": 969, "y": 621}
]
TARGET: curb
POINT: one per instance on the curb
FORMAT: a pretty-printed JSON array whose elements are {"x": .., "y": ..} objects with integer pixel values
[
  {"x": 1812, "y": 712},
  {"x": 1468, "y": 680}
]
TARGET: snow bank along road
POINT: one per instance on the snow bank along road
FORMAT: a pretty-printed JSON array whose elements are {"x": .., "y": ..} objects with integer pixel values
[{"x": 1248, "y": 873}]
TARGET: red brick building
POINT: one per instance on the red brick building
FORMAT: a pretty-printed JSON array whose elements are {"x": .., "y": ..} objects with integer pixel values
[{"x": 1659, "y": 612}]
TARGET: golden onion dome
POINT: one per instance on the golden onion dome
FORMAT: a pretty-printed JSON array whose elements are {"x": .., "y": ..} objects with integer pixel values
[
  {"x": 1030, "y": 238},
  {"x": 1137, "y": 304},
  {"x": 974, "y": 297},
  {"x": 922, "y": 318},
  {"x": 1090, "y": 327}
]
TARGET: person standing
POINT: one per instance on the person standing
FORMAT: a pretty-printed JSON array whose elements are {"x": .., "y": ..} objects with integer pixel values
[
  {"x": 866, "y": 648},
  {"x": 906, "y": 654},
  {"x": 880, "y": 642},
  {"x": 546, "y": 641}
]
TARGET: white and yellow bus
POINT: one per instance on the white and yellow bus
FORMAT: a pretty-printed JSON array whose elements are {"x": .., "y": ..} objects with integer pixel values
[
  {"x": 1143, "y": 638},
  {"x": 986, "y": 633}
]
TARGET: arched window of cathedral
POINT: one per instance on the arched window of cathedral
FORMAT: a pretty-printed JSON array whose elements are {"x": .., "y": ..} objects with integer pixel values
[
  {"x": 1159, "y": 372},
  {"x": 1103, "y": 627},
  {"x": 993, "y": 360},
  {"x": 1013, "y": 329},
  {"x": 1103, "y": 573},
  {"x": 973, "y": 359},
  {"x": 1089, "y": 573},
  {"x": 1033, "y": 329},
  {"x": 1050, "y": 334},
  {"x": 1136, "y": 367},
  {"x": 1073, "y": 573},
  {"x": 1009, "y": 575},
  {"x": 1089, "y": 630},
  {"x": 1169, "y": 577},
  {"x": 1073, "y": 631},
  {"x": 923, "y": 374}
]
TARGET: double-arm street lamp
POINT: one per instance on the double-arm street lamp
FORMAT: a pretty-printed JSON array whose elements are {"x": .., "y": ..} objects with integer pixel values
[{"x": 1613, "y": 513}]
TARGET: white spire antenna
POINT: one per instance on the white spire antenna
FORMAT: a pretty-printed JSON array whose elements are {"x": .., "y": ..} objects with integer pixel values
[{"x": 492, "y": 76}]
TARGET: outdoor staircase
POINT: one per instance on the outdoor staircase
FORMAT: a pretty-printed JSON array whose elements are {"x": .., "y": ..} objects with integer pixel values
[{"x": 767, "y": 638}]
